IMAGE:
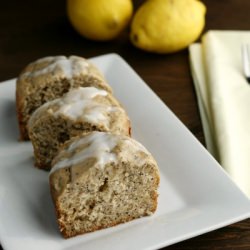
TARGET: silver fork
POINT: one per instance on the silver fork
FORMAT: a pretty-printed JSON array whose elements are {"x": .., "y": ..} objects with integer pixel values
[{"x": 245, "y": 49}]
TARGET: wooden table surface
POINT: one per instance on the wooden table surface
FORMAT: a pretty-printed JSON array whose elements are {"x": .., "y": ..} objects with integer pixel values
[{"x": 33, "y": 29}]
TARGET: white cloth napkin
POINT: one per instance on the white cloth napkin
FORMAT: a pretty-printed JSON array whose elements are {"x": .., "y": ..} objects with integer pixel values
[{"x": 224, "y": 100}]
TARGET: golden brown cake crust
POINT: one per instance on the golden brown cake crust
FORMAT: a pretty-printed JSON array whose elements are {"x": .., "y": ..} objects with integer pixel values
[{"x": 49, "y": 78}]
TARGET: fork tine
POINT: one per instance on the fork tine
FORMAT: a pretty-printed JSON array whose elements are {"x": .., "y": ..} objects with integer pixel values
[{"x": 246, "y": 61}]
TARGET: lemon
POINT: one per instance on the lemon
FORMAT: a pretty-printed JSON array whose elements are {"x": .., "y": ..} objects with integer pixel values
[
  {"x": 99, "y": 19},
  {"x": 165, "y": 26}
]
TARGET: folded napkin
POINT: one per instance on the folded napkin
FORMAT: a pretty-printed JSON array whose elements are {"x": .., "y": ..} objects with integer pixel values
[{"x": 224, "y": 100}]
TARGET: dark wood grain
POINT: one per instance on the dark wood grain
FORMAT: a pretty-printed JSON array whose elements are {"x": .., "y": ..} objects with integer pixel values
[{"x": 33, "y": 29}]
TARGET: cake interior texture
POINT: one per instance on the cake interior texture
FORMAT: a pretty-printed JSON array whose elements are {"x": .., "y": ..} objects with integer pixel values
[
  {"x": 51, "y": 134},
  {"x": 88, "y": 197}
]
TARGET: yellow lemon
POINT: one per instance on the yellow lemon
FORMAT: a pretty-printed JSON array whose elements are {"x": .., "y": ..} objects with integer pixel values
[
  {"x": 165, "y": 26},
  {"x": 99, "y": 19}
]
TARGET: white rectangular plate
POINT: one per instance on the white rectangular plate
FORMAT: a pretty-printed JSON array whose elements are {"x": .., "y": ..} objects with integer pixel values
[{"x": 195, "y": 195}]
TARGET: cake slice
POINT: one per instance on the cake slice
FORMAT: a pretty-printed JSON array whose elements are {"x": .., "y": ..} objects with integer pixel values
[
  {"x": 49, "y": 78},
  {"x": 100, "y": 180},
  {"x": 78, "y": 111}
]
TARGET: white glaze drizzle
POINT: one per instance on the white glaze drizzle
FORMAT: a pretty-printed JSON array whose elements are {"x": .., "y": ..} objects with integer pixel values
[
  {"x": 99, "y": 146},
  {"x": 49, "y": 59},
  {"x": 71, "y": 66},
  {"x": 79, "y": 103}
]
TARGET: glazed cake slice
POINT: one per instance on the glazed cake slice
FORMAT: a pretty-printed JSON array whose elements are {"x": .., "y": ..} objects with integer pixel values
[
  {"x": 78, "y": 111},
  {"x": 100, "y": 180},
  {"x": 49, "y": 78}
]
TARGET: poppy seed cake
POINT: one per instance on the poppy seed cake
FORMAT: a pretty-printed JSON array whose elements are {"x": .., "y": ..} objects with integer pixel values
[
  {"x": 99, "y": 180},
  {"x": 79, "y": 111}
]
